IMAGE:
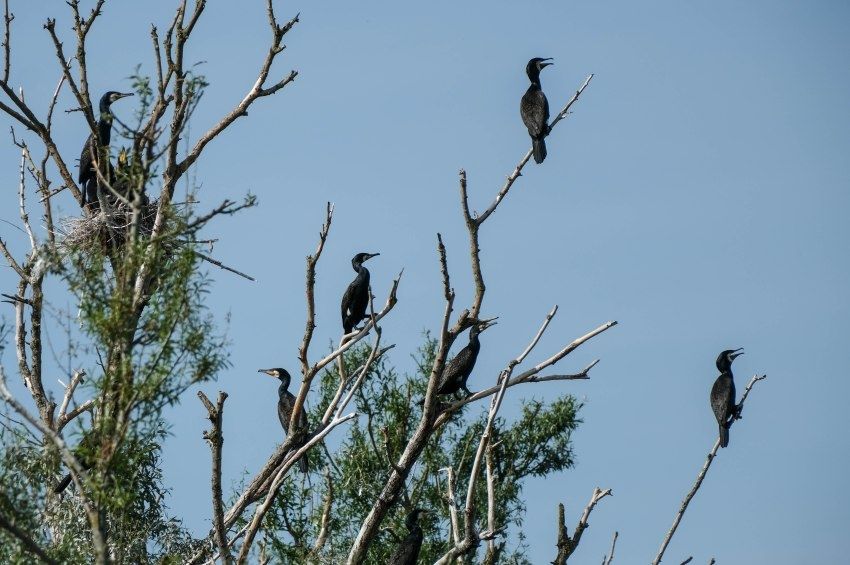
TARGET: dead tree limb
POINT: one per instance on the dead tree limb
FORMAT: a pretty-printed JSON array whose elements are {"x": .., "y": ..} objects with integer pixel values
[
  {"x": 566, "y": 544},
  {"x": 216, "y": 439},
  {"x": 608, "y": 559},
  {"x": 701, "y": 476}
]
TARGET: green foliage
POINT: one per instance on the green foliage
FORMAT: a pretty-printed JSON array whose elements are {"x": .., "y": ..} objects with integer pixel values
[
  {"x": 536, "y": 444},
  {"x": 149, "y": 336}
]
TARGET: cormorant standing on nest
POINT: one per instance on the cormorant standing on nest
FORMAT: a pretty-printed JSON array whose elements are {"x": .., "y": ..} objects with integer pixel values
[
  {"x": 356, "y": 297},
  {"x": 88, "y": 175},
  {"x": 285, "y": 404},
  {"x": 534, "y": 109},
  {"x": 407, "y": 551},
  {"x": 723, "y": 393},
  {"x": 457, "y": 371}
]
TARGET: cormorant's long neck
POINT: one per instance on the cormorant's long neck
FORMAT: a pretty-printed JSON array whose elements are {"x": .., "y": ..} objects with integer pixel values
[
  {"x": 534, "y": 77},
  {"x": 104, "y": 127},
  {"x": 474, "y": 344},
  {"x": 362, "y": 273}
]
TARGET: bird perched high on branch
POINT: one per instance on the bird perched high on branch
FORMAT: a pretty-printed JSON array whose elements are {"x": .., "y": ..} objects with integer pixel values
[
  {"x": 723, "y": 393},
  {"x": 457, "y": 371},
  {"x": 534, "y": 108},
  {"x": 285, "y": 405},
  {"x": 407, "y": 552},
  {"x": 356, "y": 297},
  {"x": 88, "y": 175}
]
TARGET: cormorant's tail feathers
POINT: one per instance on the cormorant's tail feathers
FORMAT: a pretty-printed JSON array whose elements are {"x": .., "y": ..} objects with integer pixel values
[
  {"x": 63, "y": 484},
  {"x": 539, "y": 148},
  {"x": 724, "y": 436}
]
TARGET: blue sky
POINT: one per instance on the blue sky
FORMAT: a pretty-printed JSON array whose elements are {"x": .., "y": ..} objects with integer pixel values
[{"x": 698, "y": 195}]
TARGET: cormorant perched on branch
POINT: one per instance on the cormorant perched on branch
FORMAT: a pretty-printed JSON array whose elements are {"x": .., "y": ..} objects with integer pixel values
[
  {"x": 457, "y": 371},
  {"x": 407, "y": 551},
  {"x": 534, "y": 108},
  {"x": 356, "y": 297},
  {"x": 80, "y": 450},
  {"x": 285, "y": 404},
  {"x": 723, "y": 393},
  {"x": 88, "y": 175}
]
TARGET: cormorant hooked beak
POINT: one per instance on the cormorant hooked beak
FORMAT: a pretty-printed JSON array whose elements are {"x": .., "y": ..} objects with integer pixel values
[
  {"x": 269, "y": 372},
  {"x": 736, "y": 354},
  {"x": 546, "y": 64},
  {"x": 370, "y": 255},
  {"x": 484, "y": 324}
]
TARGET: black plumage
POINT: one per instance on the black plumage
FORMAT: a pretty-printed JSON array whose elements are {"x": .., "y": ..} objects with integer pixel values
[
  {"x": 81, "y": 452},
  {"x": 88, "y": 176},
  {"x": 458, "y": 369},
  {"x": 285, "y": 404},
  {"x": 723, "y": 393},
  {"x": 356, "y": 297},
  {"x": 534, "y": 109},
  {"x": 407, "y": 551}
]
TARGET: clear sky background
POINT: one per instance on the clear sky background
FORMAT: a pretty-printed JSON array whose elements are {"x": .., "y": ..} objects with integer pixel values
[{"x": 698, "y": 195}]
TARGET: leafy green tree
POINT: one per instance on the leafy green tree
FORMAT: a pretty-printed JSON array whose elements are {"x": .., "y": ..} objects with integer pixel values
[
  {"x": 141, "y": 335},
  {"x": 349, "y": 478}
]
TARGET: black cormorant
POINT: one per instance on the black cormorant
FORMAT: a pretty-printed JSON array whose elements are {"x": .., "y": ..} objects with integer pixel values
[
  {"x": 534, "y": 108},
  {"x": 285, "y": 404},
  {"x": 723, "y": 393},
  {"x": 81, "y": 451},
  {"x": 458, "y": 369},
  {"x": 88, "y": 175},
  {"x": 407, "y": 551},
  {"x": 356, "y": 297}
]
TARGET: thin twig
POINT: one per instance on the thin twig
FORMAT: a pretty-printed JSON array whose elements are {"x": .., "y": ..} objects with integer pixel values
[
  {"x": 608, "y": 559},
  {"x": 220, "y": 265}
]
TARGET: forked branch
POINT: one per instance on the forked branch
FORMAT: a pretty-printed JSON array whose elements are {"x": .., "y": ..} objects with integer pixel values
[{"x": 701, "y": 476}]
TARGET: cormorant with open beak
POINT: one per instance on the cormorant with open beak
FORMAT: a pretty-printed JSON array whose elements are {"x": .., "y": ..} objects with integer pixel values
[
  {"x": 285, "y": 404},
  {"x": 457, "y": 371},
  {"x": 534, "y": 108},
  {"x": 356, "y": 297},
  {"x": 723, "y": 393},
  {"x": 88, "y": 176},
  {"x": 407, "y": 552}
]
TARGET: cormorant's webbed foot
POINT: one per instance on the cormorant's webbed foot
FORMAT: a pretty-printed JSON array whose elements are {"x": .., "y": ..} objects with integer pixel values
[{"x": 738, "y": 409}]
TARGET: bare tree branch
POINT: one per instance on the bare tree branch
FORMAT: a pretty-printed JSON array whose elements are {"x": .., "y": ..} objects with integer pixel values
[
  {"x": 69, "y": 393},
  {"x": 701, "y": 476},
  {"x": 7, "y": 59},
  {"x": 517, "y": 172},
  {"x": 531, "y": 375},
  {"x": 261, "y": 510},
  {"x": 216, "y": 439},
  {"x": 324, "y": 525},
  {"x": 566, "y": 544},
  {"x": 608, "y": 559}
]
